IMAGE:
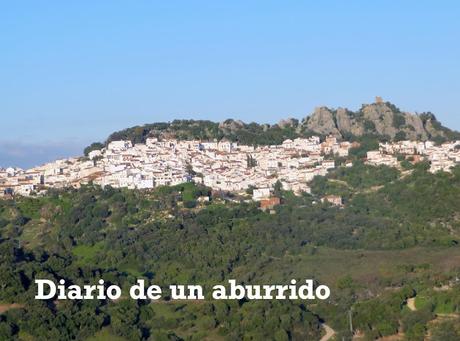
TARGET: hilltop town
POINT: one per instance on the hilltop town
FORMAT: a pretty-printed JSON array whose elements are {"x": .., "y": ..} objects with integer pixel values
[{"x": 220, "y": 165}]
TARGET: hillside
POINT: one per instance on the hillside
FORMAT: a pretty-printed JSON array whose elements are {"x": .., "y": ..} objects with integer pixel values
[
  {"x": 382, "y": 120},
  {"x": 391, "y": 241}
]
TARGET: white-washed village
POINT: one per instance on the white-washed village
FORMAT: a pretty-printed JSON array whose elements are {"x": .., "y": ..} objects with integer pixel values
[{"x": 220, "y": 165}]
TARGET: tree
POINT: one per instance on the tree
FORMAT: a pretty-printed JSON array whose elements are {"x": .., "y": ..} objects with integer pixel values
[
  {"x": 277, "y": 189},
  {"x": 400, "y": 136},
  {"x": 93, "y": 146}
]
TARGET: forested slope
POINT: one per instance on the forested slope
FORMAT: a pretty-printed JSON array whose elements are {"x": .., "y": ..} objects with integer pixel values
[{"x": 396, "y": 236}]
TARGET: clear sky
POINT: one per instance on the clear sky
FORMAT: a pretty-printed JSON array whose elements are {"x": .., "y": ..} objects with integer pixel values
[{"x": 73, "y": 72}]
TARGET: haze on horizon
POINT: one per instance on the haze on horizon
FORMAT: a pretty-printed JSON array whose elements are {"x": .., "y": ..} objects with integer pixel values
[{"x": 72, "y": 73}]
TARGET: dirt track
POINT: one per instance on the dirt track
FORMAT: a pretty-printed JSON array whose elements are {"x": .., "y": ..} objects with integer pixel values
[
  {"x": 329, "y": 332},
  {"x": 5, "y": 307}
]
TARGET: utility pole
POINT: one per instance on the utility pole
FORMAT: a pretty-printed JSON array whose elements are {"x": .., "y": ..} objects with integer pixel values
[{"x": 350, "y": 316}]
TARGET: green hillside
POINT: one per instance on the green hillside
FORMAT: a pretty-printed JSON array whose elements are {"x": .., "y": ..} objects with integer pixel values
[{"x": 396, "y": 237}]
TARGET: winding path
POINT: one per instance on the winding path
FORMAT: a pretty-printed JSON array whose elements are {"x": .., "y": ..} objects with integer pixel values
[{"x": 329, "y": 332}]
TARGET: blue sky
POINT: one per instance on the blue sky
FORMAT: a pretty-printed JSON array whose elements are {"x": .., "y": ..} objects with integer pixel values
[{"x": 73, "y": 72}]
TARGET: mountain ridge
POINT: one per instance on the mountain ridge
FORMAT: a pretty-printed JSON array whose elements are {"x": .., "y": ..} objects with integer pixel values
[{"x": 382, "y": 120}]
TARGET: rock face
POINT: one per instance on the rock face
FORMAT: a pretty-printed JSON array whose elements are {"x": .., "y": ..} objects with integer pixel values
[
  {"x": 347, "y": 124},
  {"x": 288, "y": 122},
  {"x": 380, "y": 118},
  {"x": 231, "y": 125},
  {"x": 323, "y": 122},
  {"x": 419, "y": 131}
]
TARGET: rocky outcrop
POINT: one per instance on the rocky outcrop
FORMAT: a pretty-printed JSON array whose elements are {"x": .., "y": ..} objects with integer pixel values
[
  {"x": 323, "y": 122},
  {"x": 231, "y": 125},
  {"x": 415, "y": 129},
  {"x": 432, "y": 129},
  {"x": 380, "y": 118},
  {"x": 288, "y": 122},
  {"x": 347, "y": 124}
]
